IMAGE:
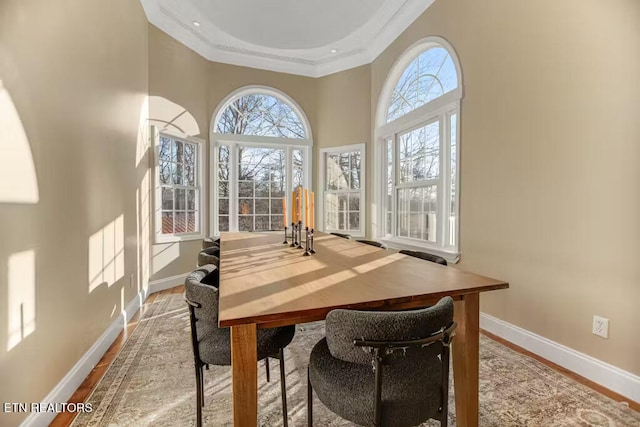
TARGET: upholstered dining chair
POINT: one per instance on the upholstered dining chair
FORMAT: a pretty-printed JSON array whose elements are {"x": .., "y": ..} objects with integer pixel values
[
  {"x": 425, "y": 256},
  {"x": 210, "y": 241},
  {"x": 373, "y": 243},
  {"x": 212, "y": 345},
  {"x": 343, "y": 235},
  {"x": 409, "y": 354},
  {"x": 210, "y": 255}
]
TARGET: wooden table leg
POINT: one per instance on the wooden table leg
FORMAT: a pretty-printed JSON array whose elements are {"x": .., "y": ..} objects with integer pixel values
[
  {"x": 466, "y": 356},
  {"x": 244, "y": 375}
]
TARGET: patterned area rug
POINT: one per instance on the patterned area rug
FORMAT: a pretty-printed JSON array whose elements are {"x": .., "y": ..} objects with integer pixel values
[{"x": 152, "y": 383}]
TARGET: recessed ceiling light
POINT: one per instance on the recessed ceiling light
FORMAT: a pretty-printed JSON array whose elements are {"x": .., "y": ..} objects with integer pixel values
[
  {"x": 196, "y": 23},
  {"x": 334, "y": 50}
]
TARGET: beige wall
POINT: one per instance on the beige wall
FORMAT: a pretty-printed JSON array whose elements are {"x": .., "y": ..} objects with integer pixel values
[
  {"x": 78, "y": 84},
  {"x": 178, "y": 76},
  {"x": 550, "y": 184},
  {"x": 344, "y": 100}
]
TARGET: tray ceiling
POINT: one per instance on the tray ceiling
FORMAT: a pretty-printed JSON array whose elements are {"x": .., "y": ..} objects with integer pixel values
[{"x": 311, "y": 38}]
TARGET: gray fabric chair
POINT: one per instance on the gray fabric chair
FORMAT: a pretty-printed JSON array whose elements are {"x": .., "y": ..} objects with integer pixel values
[
  {"x": 409, "y": 351},
  {"x": 212, "y": 345},
  {"x": 210, "y": 255},
  {"x": 373, "y": 243},
  {"x": 343, "y": 235},
  {"x": 425, "y": 256},
  {"x": 210, "y": 241}
]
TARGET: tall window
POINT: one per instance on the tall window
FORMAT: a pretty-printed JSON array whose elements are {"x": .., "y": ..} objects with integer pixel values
[
  {"x": 417, "y": 124},
  {"x": 178, "y": 187},
  {"x": 261, "y": 154},
  {"x": 342, "y": 181}
]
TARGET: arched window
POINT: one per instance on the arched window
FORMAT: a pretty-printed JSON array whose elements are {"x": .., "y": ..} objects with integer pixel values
[
  {"x": 260, "y": 153},
  {"x": 417, "y": 132}
]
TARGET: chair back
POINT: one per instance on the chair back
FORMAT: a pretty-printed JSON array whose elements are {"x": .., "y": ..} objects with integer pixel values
[
  {"x": 210, "y": 255},
  {"x": 210, "y": 241},
  {"x": 343, "y": 235},
  {"x": 373, "y": 243},
  {"x": 345, "y": 327},
  {"x": 202, "y": 295},
  {"x": 425, "y": 256}
]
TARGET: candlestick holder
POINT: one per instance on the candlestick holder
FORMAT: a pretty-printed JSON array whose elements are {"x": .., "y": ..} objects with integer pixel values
[
  {"x": 294, "y": 234},
  {"x": 285, "y": 236},
  {"x": 300, "y": 235},
  {"x": 312, "y": 250},
  {"x": 307, "y": 249}
]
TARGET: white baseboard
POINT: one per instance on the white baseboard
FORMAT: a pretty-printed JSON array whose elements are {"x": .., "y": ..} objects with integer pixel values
[
  {"x": 609, "y": 376},
  {"x": 166, "y": 283},
  {"x": 70, "y": 383}
]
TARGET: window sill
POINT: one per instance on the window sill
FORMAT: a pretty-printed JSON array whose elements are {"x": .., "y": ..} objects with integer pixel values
[
  {"x": 451, "y": 257},
  {"x": 160, "y": 239}
]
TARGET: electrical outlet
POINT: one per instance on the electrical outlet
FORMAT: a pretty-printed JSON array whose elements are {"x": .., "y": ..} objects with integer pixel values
[{"x": 601, "y": 326}]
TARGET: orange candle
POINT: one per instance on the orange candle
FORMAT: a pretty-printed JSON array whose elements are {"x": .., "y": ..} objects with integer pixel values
[
  {"x": 284, "y": 212},
  {"x": 306, "y": 207},
  {"x": 293, "y": 207},
  {"x": 313, "y": 210},
  {"x": 299, "y": 207}
]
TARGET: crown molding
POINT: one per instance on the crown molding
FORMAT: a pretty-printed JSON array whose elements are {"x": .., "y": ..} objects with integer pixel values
[{"x": 360, "y": 47}]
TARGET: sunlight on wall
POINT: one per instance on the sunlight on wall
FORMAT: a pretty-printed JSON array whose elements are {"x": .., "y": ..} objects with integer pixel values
[
  {"x": 106, "y": 254},
  {"x": 143, "y": 208},
  {"x": 164, "y": 255},
  {"x": 142, "y": 146},
  {"x": 167, "y": 115},
  {"x": 18, "y": 180},
  {"x": 22, "y": 297}
]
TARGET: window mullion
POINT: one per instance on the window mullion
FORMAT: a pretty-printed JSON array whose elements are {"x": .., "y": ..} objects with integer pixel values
[
  {"x": 444, "y": 179},
  {"x": 233, "y": 187}
]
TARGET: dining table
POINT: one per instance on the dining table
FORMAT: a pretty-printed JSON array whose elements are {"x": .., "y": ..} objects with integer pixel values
[{"x": 267, "y": 282}]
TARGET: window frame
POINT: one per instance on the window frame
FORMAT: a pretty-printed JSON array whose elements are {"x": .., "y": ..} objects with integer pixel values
[
  {"x": 440, "y": 109},
  {"x": 200, "y": 186},
  {"x": 322, "y": 182},
  {"x": 233, "y": 141}
]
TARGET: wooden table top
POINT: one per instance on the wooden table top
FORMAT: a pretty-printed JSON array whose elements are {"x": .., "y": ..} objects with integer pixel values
[{"x": 266, "y": 282}]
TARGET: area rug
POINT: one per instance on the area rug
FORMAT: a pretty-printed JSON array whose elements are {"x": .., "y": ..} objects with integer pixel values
[{"x": 152, "y": 383}]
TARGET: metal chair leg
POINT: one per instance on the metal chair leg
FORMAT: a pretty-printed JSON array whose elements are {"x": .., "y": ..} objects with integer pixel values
[
  {"x": 283, "y": 389},
  {"x": 199, "y": 396},
  {"x": 309, "y": 402},
  {"x": 266, "y": 366},
  {"x": 202, "y": 386}
]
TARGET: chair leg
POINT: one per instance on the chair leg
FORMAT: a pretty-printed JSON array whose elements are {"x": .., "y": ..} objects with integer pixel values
[
  {"x": 202, "y": 386},
  {"x": 266, "y": 367},
  {"x": 199, "y": 396},
  {"x": 309, "y": 402},
  {"x": 283, "y": 389}
]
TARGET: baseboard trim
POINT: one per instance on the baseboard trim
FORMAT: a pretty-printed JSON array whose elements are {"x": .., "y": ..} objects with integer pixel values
[
  {"x": 166, "y": 283},
  {"x": 74, "y": 378},
  {"x": 609, "y": 376}
]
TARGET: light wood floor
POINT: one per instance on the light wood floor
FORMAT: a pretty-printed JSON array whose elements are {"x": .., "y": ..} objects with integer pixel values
[{"x": 65, "y": 419}]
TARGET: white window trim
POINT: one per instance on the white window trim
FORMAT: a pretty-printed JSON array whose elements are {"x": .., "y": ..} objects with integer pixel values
[
  {"x": 233, "y": 141},
  {"x": 322, "y": 181},
  {"x": 157, "y": 193},
  {"x": 440, "y": 108}
]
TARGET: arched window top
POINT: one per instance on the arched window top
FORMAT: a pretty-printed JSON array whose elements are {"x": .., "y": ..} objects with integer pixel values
[
  {"x": 428, "y": 70},
  {"x": 262, "y": 112}
]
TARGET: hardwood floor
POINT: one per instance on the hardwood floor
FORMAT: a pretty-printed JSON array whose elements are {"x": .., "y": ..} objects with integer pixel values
[
  {"x": 85, "y": 389},
  {"x": 582, "y": 380},
  {"x": 66, "y": 418}
]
